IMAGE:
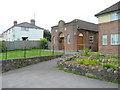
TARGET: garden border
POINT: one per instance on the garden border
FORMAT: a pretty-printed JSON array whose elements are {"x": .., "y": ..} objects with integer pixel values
[{"x": 89, "y": 71}]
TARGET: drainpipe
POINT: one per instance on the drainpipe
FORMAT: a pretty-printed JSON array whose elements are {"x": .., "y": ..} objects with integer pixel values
[{"x": 78, "y": 29}]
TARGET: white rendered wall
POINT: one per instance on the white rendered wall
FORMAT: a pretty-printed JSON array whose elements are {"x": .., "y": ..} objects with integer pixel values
[
  {"x": 32, "y": 34},
  {"x": 16, "y": 33}
]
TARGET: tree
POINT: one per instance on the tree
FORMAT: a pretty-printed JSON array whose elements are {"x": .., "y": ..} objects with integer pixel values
[
  {"x": 44, "y": 43},
  {"x": 2, "y": 46},
  {"x": 47, "y": 35}
]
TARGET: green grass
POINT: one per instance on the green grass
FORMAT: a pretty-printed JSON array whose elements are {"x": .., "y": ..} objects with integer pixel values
[{"x": 29, "y": 53}]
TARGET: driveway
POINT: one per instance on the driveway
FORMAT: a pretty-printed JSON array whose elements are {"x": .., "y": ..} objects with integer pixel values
[{"x": 46, "y": 75}]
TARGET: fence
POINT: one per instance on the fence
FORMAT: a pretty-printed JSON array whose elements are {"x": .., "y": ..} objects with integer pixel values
[
  {"x": 23, "y": 49},
  {"x": 13, "y": 45}
]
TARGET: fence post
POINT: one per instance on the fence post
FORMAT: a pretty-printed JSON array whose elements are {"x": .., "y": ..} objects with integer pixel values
[
  {"x": 53, "y": 49},
  {"x": 25, "y": 52},
  {"x": 40, "y": 50},
  {"x": 6, "y": 53}
]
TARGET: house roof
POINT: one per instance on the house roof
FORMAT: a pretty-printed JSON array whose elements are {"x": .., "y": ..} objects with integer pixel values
[
  {"x": 112, "y": 8},
  {"x": 84, "y": 25},
  {"x": 26, "y": 25}
]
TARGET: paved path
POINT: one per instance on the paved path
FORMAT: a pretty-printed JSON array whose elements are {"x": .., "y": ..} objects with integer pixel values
[{"x": 45, "y": 75}]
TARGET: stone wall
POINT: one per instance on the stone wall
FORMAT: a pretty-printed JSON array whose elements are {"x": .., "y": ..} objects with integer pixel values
[
  {"x": 93, "y": 71},
  {"x": 12, "y": 64}
]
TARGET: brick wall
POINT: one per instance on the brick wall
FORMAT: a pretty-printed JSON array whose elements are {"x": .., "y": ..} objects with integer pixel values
[
  {"x": 71, "y": 29},
  {"x": 108, "y": 29}
]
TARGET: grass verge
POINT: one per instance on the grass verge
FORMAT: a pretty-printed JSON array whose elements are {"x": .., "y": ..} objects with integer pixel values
[
  {"x": 89, "y": 76},
  {"x": 14, "y": 54}
]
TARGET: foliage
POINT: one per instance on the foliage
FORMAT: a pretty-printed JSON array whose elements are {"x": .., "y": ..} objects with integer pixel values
[
  {"x": 108, "y": 65},
  {"x": 86, "y": 52},
  {"x": 2, "y": 46},
  {"x": 47, "y": 35},
  {"x": 44, "y": 43},
  {"x": 89, "y": 62},
  {"x": 97, "y": 58}
]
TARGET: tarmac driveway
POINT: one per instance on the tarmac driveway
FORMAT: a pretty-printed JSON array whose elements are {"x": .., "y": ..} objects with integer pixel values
[{"x": 46, "y": 75}]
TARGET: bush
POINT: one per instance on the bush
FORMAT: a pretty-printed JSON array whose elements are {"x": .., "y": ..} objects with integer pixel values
[
  {"x": 2, "y": 46},
  {"x": 44, "y": 43},
  {"x": 109, "y": 66},
  {"x": 87, "y": 52},
  {"x": 88, "y": 62}
]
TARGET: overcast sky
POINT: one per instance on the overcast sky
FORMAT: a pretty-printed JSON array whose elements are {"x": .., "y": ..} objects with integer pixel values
[{"x": 49, "y": 12}]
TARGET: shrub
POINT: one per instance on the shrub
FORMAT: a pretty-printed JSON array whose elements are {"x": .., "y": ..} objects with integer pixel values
[
  {"x": 109, "y": 66},
  {"x": 92, "y": 62},
  {"x": 47, "y": 35},
  {"x": 44, "y": 43},
  {"x": 2, "y": 46},
  {"x": 88, "y": 62},
  {"x": 87, "y": 51}
]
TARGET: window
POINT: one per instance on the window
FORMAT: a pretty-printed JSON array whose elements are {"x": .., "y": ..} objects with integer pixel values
[
  {"x": 115, "y": 16},
  {"x": 18, "y": 39},
  {"x": 56, "y": 30},
  {"x": 9, "y": 31},
  {"x": 54, "y": 40},
  {"x": 24, "y": 29},
  {"x": 91, "y": 38},
  {"x": 68, "y": 39},
  {"x": 65, "y": 29},
  {"x": 118, "y": 15},
  {"x": 104, "y": 40},
  {"x": 115, "y": 39}
]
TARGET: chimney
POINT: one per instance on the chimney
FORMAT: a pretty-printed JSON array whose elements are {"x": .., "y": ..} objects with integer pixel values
[
  {"x": 32, "y": 21},
  {"x": 15, "y": 22}
]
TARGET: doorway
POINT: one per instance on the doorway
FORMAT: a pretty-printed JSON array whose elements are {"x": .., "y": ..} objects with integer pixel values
[
  {"x": 80, "y": 41},
  {"x": 61, "y": 41},
  {"x": 24, "y": 38}
]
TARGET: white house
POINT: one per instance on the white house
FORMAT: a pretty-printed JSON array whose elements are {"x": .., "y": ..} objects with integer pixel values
[
  {"x": 0, "y": 37},
  {"x": 23, "y": 31}
]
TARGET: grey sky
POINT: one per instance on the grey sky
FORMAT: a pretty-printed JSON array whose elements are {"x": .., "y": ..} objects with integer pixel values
[{"x": 49, "y": 12}]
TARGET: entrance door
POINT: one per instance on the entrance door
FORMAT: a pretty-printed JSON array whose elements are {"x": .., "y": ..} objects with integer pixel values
[
  {"x": 62, "y": 43},
  {"x": 80, "y": 42}
]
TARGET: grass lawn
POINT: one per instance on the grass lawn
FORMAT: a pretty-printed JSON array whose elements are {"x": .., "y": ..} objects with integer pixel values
[{"x": 29, "y": 53}]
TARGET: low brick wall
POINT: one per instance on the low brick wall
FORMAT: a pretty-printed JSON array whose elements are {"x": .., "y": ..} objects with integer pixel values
[
  {"x": 18, "y": 63},
  {"x": 95, "y": 71}
]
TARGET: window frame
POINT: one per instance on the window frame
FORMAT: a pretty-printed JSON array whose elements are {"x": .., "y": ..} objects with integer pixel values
[
  {"x": 24, "y": 29},
  {"x": 68, "y": 39},
  {"x": 91, "y": 38},
  {"x": 116, "y": 40},
  {"x": 115, "y": 16},
  {"x": 106, "y": 39}
]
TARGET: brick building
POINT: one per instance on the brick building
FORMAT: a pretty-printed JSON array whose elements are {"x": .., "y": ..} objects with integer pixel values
[
  {"x": 109, "y": 29},
  {"x": 75, "y": 35}
]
